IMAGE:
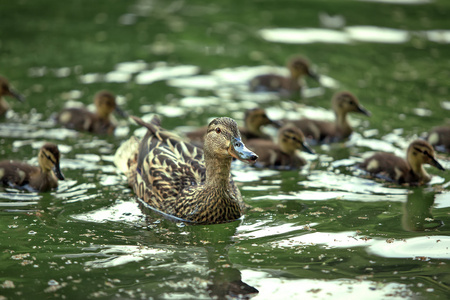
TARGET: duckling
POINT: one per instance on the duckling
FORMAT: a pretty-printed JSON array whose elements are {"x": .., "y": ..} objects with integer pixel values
[
  {"x": 6, "y": 90},
  {"x": 99, "y": 122},
  {"x": 183, "y": 181},
  {"x": 298, "y": 68},
  {"x": 42, "y": 179},
  {"x": 254, "y": 119},
  {"x": 328, "y": 132},
  {"x": 439, "y": 138},
  {"x": 397, "y": 169},
  {"x": 283, "y": 155}
]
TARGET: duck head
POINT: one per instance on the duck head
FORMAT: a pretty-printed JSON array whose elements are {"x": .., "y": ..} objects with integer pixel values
[
  {"x": 421, "y": 152},
  {"x": 49, "y": 159},
  {"x": 299, "y": 67},
  {"x": 223, "y": 140},
  {"x": 105, "y": 103},
  {"x": 6, "y": 90},
  {"x": 345, "y": 102},
  {"x": 291, "y": 138}
]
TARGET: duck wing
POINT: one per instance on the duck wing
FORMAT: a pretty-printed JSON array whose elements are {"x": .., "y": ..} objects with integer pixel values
[{"x": 166, "y": 167}]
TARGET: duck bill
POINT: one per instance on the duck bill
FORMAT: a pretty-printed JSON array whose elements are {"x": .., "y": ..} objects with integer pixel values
[
  {"x": 120, "y": 112},
  {"x": 364, "y": 111},
  {"x": 436, "y": 164},
  {"x": 16, "y": 95},
  {"x": 238, "y": 150},
  {"x": 307, "y": 149},
  {"x": 58, "y": 172}
]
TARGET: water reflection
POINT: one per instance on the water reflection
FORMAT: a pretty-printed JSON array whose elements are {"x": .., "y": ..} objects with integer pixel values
[
  {"x": 172, "y": 250},
  {"x": 417, "y": 212}
]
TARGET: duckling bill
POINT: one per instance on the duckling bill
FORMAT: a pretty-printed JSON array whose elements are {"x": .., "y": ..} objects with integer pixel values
[
  {"x": 42, "y": 179},
  {"x": 179, "y": 179},
  {"x": 411, "y": 170},
  {"x": 99, "y": 122}
]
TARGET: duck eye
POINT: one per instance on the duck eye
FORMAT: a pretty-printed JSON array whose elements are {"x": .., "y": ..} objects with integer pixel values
[{"x": 218, "y": 130}]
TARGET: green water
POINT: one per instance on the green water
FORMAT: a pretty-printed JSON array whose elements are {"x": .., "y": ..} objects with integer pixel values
[{"x": 322, "y": 232}]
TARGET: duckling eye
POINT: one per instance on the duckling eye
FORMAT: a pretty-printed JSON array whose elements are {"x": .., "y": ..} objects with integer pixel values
[{"x": 218, "y": 130}]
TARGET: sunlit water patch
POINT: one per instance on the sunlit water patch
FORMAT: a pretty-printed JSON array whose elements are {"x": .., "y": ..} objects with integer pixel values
[
  {"x": 426, "y": 246},
  {"x": 287, "y": 288},
  {"x": 350, "y": 34},
  {"x": 120, "y": 212}
]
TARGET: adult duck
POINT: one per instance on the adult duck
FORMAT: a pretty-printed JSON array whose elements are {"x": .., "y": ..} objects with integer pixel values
[
  {"x": 42, "y": 179},
  {"x": 299, "y": 67},
  {"x": 411, "y": 171},
  {"x": 99, "y": 122},
  {"x": 327, "y": 132},
  {"x": 282, "y": 155},
  {"x": 6, "y": 90},
  {"x": 183, "y": 181}
]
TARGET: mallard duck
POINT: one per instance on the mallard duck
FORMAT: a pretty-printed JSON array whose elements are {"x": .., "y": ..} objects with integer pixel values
[
  {"x": 439, "y": 138},
  {"x": 281, "y": 155},
  {"x": 6, "y": 90},
  {"x": 183, "y": 181},
  {"x": 99, "y": 122},
  {"x": 328, "y": 132},
  {"x": 254, "y": 119},
  {"x": 298, "y": 68},
  {"x": 394, "y": 168},
  {"x": 43, "y": 178}
]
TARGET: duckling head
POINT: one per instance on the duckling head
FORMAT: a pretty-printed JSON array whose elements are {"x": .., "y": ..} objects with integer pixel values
[
  {"x": 6, "y": 90},
  {"x": 105, "y": 103},
  {"x": 257, "y": 117},
  {"x": 421, "y": 152},
  {"x": 223, "y": 140},
  {"x": 291, "y": 138},
  {"x": 49, "y": 159},
  {"x": 299, "y": 67},
  {"x": 345, "y": 102}
]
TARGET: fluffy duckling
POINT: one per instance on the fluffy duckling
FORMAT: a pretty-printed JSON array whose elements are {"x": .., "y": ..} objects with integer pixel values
[
  {"x": 298, "y": 68},
  {"x": 411, "y": 170},
  {"x": 6, "y": 90},
  {"x": 439, "y": 138},
  {"x": 254, "y": 120},
  {"x": 183, "y": 181},
  {"x": 43, "y": 178},
  {"x": 328, "y": 132},
  {"x": 281, "y": 155},
  {"x": 99, "y": 122}
]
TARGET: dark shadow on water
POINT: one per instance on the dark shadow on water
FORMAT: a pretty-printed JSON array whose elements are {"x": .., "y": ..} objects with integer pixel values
[
  {"x": 214, "y": 243},
  {"x": 417, "y": 214}
]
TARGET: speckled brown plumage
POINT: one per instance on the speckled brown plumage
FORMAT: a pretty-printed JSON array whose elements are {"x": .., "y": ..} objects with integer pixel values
[
  {"x": 328, "y": 132},
  {"x": 99, "y": 122},
  {"x": 6, "y": 90},
  {"x": 394, "y": 168},
  {"x": 184, "y": 181},
  {"x": 282, "y": 155},
  {"x": 43, "y": 178},
  {"x": 298, "y": 68}
]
